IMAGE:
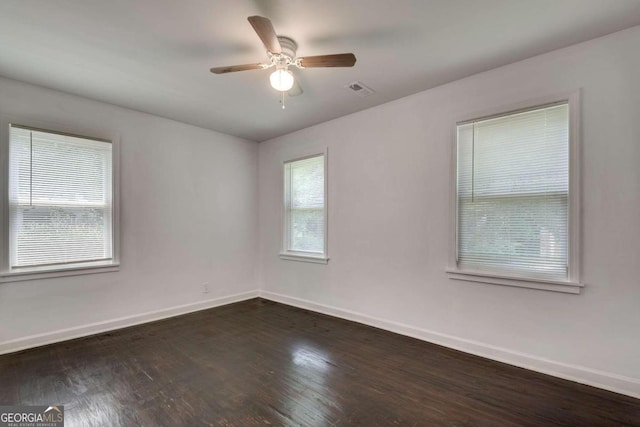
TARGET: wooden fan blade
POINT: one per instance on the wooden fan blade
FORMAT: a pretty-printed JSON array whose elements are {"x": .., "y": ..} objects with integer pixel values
[
  {"x": 296, "y": 90},
  {"x": 337, "y": 60},
  {"x": 234, "y": 68},
  {"x": 267, "y": 34}
]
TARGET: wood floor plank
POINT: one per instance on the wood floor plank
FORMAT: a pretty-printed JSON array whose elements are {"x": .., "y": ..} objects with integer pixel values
[{"x": 260, "y": 363}]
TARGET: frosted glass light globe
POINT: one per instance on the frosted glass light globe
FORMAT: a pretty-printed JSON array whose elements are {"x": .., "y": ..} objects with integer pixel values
[{"x": 281, "y": 80}]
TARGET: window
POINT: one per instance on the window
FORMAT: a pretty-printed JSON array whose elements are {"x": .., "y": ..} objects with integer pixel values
[
  {"x": 513, "y": 198},
  {"x": 60, "y": 202},
  {"x": 305, "y": 218}
]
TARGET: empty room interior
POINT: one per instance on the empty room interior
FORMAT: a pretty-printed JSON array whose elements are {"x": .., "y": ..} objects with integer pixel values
[{"x": 319, "y": 213}]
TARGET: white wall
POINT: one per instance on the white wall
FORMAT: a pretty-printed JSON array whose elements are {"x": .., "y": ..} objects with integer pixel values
[
  {"x": 389, "y": 175},
  {"x": 188, "y": 216}
]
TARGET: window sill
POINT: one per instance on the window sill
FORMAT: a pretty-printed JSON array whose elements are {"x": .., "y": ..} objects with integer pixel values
[
  {"x": 317, "y": 259},
  {"x": 496, "y": 279},
  {"x": 48, "y": 273}
]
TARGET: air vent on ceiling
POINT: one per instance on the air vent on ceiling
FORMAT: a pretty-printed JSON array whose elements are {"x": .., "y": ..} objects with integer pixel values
[{"x": 360, "y": 89}]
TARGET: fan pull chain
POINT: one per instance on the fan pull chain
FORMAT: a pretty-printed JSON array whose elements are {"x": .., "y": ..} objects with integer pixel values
[{"x": 282, "y": 99}]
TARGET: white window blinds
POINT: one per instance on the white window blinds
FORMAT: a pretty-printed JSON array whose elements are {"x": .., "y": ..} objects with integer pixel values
[
  {"x": 60, "y": 199},
  {"x": 513, "y": 193},
  {"x": 305, "y": 205}
]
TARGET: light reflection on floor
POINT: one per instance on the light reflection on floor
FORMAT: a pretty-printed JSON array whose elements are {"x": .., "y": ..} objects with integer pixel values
[
  {"x": 309, "y": 357},
  {"x": 311, "y": 367}
]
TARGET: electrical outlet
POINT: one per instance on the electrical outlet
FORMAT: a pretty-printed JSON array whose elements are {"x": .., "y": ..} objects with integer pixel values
[{"x": 205, "y": 288}]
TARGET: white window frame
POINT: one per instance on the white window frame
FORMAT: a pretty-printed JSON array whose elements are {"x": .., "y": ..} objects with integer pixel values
[
  {"x": 44, "y": 272},
  {"x": 286, "y": 254},
  {"x": 572, "y": 284}
]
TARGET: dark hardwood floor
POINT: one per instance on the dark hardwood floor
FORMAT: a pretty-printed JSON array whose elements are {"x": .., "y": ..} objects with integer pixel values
[{"x": 262, "y": 363}]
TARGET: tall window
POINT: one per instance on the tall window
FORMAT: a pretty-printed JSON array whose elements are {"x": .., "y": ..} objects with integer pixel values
[
  {"x": 513, "y": 194},
  {"x": 305, "y": 223},
  {"x": 60, "y": 201}
]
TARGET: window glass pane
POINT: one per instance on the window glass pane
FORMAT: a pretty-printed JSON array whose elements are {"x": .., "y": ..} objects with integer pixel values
[
  {"x": 307, "y": 230},
  {"x": 526, "y": 234},
  {"x": 59, "y": 234}
]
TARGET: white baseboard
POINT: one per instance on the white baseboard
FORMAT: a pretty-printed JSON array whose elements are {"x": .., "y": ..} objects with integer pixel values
[
  {"x": 605, "y": 380},
  {"x": 122, "y": 322}
]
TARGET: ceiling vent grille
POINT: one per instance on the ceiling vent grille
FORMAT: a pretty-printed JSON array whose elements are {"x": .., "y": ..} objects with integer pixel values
[{"x": 360, "y": 89}]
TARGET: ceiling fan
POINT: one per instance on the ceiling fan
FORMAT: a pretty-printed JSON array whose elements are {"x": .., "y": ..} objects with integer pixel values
[{"x": 281, "y": 53}]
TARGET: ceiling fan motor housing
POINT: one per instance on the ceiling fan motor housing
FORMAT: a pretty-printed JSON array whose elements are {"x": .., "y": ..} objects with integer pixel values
[{"x": 289, "y": 47}]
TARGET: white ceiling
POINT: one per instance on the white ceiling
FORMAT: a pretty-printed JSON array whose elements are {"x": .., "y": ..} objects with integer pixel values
[{"x": 155, "y": 55}]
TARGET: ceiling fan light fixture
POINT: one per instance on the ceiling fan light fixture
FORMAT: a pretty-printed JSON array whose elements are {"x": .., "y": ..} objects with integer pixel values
[{"x": 281, "y": 80}]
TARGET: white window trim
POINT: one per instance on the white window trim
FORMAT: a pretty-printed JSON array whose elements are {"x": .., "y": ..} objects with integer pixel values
[
  {"x": 297, "y": 255},
  {"x": 572, "y": 284},
  {"x": 45, "y": 272}
]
